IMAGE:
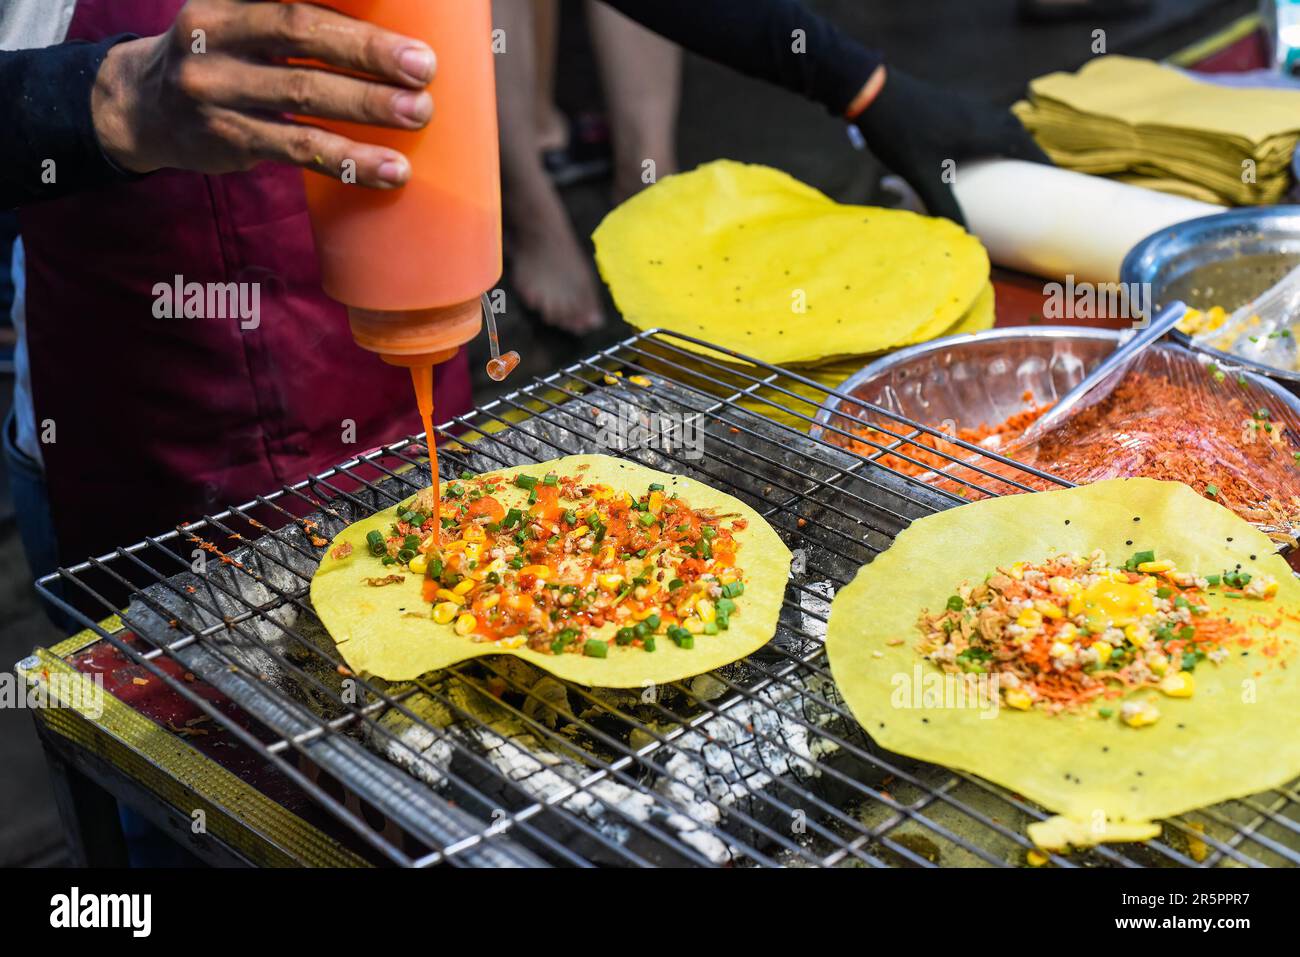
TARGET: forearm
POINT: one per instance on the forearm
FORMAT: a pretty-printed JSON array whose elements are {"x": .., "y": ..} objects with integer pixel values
[
  {"x": 780, "y": 41},
  {"x": 50, "y": 148}
]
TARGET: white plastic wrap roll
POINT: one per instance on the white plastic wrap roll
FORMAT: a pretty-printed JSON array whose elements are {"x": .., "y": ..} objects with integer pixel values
[{"x": 1052, "y": 222}]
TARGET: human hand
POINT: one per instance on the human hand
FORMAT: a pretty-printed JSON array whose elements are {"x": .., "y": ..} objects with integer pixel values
[
  {"x": 225, "y": 88},
  {"x": 916, "y": 128}
]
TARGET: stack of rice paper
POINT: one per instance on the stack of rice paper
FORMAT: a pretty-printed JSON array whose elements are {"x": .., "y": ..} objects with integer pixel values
[
  {"x": 1159, "y": 127},
  {"x": 753, "y": 260}
]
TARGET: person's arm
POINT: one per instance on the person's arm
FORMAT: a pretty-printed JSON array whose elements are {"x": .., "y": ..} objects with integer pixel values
[
  {"x": 131, "y": 106},
  {"x": 916, "y": 129},
  {"x": 50, "y": 148},
  {"x": 780, "y": 41}
]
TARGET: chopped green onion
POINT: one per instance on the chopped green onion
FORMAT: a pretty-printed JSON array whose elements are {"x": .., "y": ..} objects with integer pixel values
[
  {"x": 738, "y": 588},
  {"x": 675, "y": 584},
  {"x": 525, "y": 481},
  {"x": 656, "y": 487},
  {"x": 955, "y": 603},
  {"x": 551, "y": 479},
  {"x": 1212, "y": 490},
  {"x": 649, "y": 643}
]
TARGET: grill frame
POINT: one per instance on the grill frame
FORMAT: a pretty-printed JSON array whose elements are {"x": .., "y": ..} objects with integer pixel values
[{"x": 952, "y": 811}]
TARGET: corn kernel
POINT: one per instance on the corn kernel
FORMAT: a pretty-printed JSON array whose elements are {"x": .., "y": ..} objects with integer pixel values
[
  {"x": 474, "y": 534},
  {"x": 1137, "y": 634},
  {"x": 1030, "y": 618},
  {"x": 645, "y": 613},
  {"x": 1068, "y": 632},
  {"x": 444, "y": 612},
  {"x": 1139, "y": 714},
  {"x": 456, "y": 546},
  {"x": 1036, "y": 858},
  {"x": 1180, "y": 685},
  {"x": 727, "y": 576},
  {"x": 1048, "y": 609},
  {"x": 656, "y": 503},
  {"x": 639, "y": 380},
  {"x": 466, "y": 624},
  {"x": 418, "y": 564},
  {"x": 1061, "y": 585},
  {"x": 610, "y": 583},
  {"x": 1017, "y": 698},
  {"x": 705, "y": 609},
  {"x": 1060, "y": 649},
  {"x": 1017, "y": 571},
  {"x": 464, "y": 588},
  {"x": 610, "y": 380},
  {"x": 514, "y": 641},
  {"x": 473, "y": 551},
  {"x": 1153, "y": 568},
  {"x": 537, "y": 571},
  {"x": 694, "y": 626},
  {"x": 446, "y": 594},
  {"x": 1103, "y": 650},
  {"x": 490, "y": 601},
  {"x": 579, "y": 531}
]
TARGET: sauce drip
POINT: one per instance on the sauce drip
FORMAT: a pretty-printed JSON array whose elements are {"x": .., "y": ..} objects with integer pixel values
[{"x": 422, "y": 379}]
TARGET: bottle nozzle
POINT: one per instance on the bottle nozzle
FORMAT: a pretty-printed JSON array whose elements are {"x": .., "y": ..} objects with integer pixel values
[{"x": 418, "y": 337}]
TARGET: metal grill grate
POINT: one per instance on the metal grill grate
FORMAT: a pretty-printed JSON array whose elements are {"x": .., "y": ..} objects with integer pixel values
[{"x": 493, "y": 763}]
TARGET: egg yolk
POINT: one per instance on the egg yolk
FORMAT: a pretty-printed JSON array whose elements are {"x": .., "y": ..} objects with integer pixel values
[{"x": 1108, "y": 604}]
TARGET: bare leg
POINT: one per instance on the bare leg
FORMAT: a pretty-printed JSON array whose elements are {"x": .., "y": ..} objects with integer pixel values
[
  {"x": 550, "y": 271},
  {"x": 642, "y": 75},
  {"x": 553, "y": 128}
]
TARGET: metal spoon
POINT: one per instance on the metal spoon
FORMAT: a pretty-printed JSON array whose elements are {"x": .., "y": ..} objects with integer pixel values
[{"x": 1111, "y": 368}]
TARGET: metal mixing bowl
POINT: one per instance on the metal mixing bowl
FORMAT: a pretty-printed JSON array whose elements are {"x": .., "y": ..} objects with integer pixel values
[
  {"x": 981, "y": 378},
  {"x": 1222, "y": 260}
]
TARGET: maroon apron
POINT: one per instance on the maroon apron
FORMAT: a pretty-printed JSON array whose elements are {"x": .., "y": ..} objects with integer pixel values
[{"x": 158, "y": 421}]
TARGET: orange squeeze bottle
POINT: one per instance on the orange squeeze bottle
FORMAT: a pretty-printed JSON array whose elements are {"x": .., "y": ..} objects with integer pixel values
[{"x": 412, "y": 264}]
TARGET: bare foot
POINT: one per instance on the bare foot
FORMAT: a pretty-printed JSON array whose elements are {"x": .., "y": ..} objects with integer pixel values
[
  {"x": 631, "y": 176},
  {"x": 551, "y": 272},
  {"x": 552, "y": 130}
]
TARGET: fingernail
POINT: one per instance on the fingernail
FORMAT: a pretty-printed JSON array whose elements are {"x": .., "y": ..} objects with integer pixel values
[
  {"x": 418, "y": 63},
  {"x": 416, "y": 107},
  {"x": 395, "y": 172}
]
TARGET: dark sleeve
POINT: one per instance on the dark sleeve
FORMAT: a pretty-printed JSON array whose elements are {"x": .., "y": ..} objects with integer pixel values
[
  {"x": 758, "y": 38},
  {"x": 49, "y": 148}
]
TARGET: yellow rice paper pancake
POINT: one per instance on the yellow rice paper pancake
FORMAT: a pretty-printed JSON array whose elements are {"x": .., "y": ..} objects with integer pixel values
[
  {"x": 750, "y": 258},
  {"x": 389, "y": 631},
  {"x": 1233, "y": 737}
]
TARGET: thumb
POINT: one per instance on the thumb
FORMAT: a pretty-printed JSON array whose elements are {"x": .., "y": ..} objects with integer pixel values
[{"x": 939, "y": 198}]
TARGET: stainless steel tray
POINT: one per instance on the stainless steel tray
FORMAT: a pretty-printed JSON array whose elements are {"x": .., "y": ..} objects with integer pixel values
[
  {"x": 1222, "y": 260},
  {"x": 966, "y": 381}
]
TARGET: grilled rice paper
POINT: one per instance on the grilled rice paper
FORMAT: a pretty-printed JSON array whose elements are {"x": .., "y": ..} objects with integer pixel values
[
  {"x": 386, "y": 628},
  {"x": 1107, "y": 780},
  {"x": 749, "y": 257}
]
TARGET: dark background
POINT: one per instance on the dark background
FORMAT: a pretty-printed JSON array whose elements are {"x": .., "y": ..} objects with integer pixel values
[{"x": 975, "y": 45}]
